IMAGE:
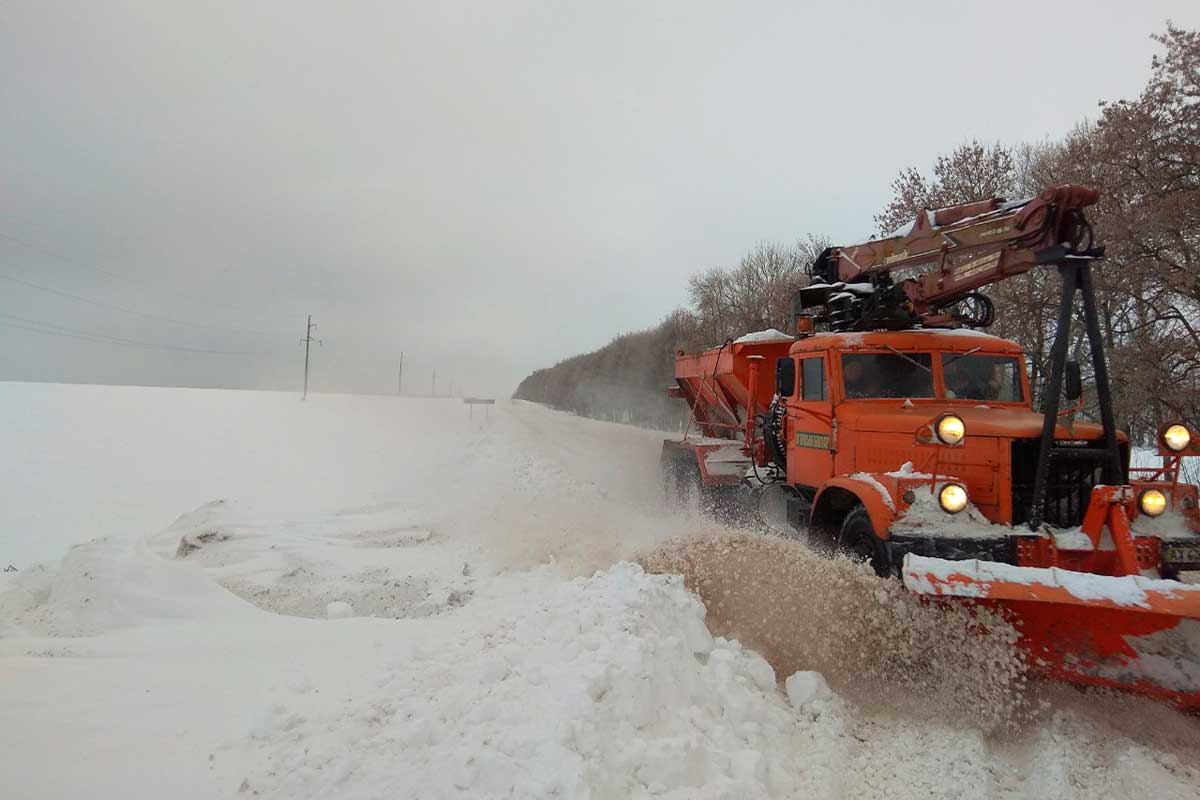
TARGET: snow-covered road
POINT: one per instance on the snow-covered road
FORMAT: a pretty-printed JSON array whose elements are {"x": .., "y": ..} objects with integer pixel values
[{"x": 387, "y": 597}]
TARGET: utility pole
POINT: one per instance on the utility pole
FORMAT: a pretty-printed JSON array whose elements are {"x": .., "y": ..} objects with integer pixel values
[
  {"x": 308, "y": 340},
  {"x": 434, "y": 383},
  {"x": 400, "y": 375}
]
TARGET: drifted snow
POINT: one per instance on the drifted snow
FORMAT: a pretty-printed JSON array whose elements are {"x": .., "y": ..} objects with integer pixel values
[
  {"x": 607, "y": 686},
  {"x": 808, "y": 691},
  {"x": 501, "y": 643}
]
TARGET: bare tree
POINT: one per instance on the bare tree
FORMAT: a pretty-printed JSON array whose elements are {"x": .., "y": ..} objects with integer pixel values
[{"x": 970, "y": 172}]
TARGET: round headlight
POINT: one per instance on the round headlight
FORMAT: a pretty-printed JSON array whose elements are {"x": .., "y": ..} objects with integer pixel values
[
  {"x": 1176, "y": 437},
  {"x": 953, "y": 498},
  {"x": 950, "y": 429},
  {"x": 1152, "y": 502}
]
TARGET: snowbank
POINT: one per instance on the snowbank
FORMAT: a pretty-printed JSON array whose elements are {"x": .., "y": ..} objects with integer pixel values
[
  {"x": 608, "y": 686},
  {"x": 372, "y": 614}
]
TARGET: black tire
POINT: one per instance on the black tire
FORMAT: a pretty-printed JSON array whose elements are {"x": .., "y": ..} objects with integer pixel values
[
  {"x": 770, "y": 505},
  {"x": 857, "y": 540}
]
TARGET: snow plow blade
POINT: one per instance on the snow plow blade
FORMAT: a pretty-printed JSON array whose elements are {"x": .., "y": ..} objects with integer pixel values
[{"x": 1131, "y": 633}]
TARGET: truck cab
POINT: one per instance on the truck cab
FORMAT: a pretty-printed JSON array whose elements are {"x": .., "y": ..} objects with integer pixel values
[{"x": 926, "y": 441}]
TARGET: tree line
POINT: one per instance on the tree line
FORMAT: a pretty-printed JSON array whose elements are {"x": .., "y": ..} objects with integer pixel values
[{"x": 1143, "y": 153}]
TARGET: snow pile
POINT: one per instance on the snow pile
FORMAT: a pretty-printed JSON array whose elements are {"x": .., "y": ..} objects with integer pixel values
[
  {"x": 106, "y": 586},
  {"x": 609, "y": 686},
  {"x": 808, "y": 691},
  {"x": 376, "y": 615},
  {"x": 376, "y": 562},
  {"x": 769, "y": 335},
  {"x": 1073, "y": 538}
]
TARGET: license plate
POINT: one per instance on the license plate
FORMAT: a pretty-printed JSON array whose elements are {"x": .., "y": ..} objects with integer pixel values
[{"x": 1181, "y": 553}]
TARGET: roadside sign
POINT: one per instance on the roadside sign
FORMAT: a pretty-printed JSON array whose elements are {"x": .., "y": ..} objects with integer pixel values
[{"x": 479, "y": 401}]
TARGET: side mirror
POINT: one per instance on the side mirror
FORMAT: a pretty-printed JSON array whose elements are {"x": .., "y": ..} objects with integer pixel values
[
  {"x": 1073, "y": 383},
  {"x": 785, "y": 377}
]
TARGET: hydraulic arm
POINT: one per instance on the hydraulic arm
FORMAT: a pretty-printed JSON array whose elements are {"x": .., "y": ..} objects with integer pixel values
[{"x": 929, "y": 271}]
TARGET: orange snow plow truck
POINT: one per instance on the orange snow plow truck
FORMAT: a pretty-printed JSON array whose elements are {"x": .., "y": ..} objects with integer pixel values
[{"x": 897, "y": 432}]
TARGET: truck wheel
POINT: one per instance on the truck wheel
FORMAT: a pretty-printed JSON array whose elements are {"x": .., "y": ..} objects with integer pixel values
[
  {"x": 858, "y": 541},
  {"x": 681, "y": 480},
  {"x": 770, "y": 502}
]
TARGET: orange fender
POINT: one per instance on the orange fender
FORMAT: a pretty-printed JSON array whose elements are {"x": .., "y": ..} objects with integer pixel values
[{"x": 871, "y": 494}]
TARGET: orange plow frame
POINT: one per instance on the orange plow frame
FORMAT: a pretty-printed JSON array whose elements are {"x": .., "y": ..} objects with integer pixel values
[{"x": 1081, "y": 627}]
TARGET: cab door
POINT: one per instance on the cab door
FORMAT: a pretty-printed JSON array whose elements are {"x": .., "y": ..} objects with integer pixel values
[{"x": 810, "y": 428}]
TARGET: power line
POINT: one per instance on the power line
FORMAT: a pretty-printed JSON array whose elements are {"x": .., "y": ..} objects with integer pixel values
[
  {"x": 123, "y": 309},
  {"x": 89, "y": 266},
  {"x": 38, "y": 326},
  {"x": 67, "y": 259},
  {"x": 49, "y": 328}
]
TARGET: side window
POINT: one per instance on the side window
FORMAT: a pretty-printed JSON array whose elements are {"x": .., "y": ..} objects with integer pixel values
[
  {"x": 785, "y": 377},
  {"x": 812, "y": 372}
]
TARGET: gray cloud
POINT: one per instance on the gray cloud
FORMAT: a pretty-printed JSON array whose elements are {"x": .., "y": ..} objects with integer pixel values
[{"x": 487, "y": 187}]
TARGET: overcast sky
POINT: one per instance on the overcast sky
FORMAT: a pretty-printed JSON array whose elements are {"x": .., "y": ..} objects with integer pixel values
[{"x": 488, "y": 187}]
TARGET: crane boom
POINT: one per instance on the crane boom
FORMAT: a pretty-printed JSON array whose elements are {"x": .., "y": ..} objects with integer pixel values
[{"x": 928, "y": 272}]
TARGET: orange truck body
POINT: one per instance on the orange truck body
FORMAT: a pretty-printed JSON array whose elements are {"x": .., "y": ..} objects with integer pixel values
[{"x": 1088, "y": 590}]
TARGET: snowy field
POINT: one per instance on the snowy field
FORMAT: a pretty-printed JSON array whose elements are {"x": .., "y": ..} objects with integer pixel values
[{"x": 235, "y": 594}]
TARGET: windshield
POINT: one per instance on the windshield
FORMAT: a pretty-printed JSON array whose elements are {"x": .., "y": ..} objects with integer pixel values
[
  {"x": 981, "y": 377},
  {"x": 868, "y": 375}
]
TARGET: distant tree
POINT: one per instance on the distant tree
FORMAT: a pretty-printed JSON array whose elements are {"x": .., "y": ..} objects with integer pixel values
[
  {"x": 755, "y": 294},
  {"x": 1146, "y": 153},
  {"x": 970, "y": 172},
  {"x": 711, "y": 296},
  {"x": 626, "y": 380}
]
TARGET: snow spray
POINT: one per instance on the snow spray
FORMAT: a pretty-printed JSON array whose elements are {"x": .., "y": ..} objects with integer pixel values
[{"x": 877, "y": 644}]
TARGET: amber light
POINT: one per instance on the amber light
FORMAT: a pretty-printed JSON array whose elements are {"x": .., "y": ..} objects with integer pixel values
[
  {"x": 1176, "y": 437},
  {"x": 1152, "y": 502},
  {"x": 953, "y": 498},
  {"x": 950, "y": 429}
]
